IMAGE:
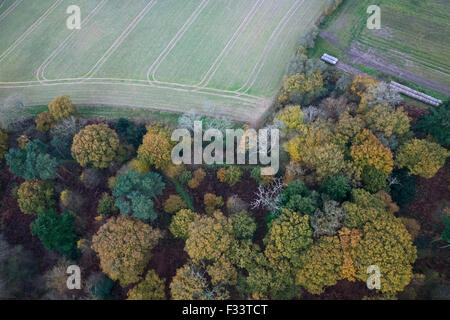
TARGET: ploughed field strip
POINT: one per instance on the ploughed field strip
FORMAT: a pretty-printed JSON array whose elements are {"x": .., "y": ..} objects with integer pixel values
[
  {"x": 414, "y": 37},
  {"x": 222, "y": 57}
]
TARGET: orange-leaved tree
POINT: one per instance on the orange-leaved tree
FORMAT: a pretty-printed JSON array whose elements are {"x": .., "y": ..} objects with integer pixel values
[
  {"x": 96, "y": 145},
  {"x": 124, "y": 246}
]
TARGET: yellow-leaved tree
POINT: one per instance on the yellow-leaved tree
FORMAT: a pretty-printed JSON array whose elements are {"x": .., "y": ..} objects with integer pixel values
[
  {"x": 45, "y": 122},
  {"x": 124, "y": 246},
  {"x": 321, "y": 265},
  {"x": 62, "y": 108},
  {"x": 288, "y": 236},
  {"x": 293, "y": 118},
  {"x": 96, "y": 145},
  {"x": 367, "y": 150},
  {"x": 421, "y": 157},
  {"x": 151, "y": 288},
  {"x": 156, "y": 147}
]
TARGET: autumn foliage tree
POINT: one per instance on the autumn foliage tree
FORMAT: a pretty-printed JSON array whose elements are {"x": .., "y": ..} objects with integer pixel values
[
  {"x": 231, "y": 175},
  {"x": 151, "y": 288},
  {"x": 292, "y": 117},
  {"x": 45, "y": 122},
  {"x": 190, "y": 283},
  {"x": 197, "y": 178},
  {"x": 124, "y": 246},
  {"x": 156, "y": 147},
  {"x": 320, "y": 265},
  {"x": 35, "y": 196},
  {"x": 421, "y": 157},
  {"x": 387, "y": 244},
  {"x": 288, "y": 236},
  {"x": 62, "y": 108},
  {"x": 212, "y": 202},
  {"x": 209, "y": 237},
  {"x": 3, "y": 144},
  {"x": 174, "y": 204},
  {"x": 384, "y": 241},
  {"x": 96, "y": 145},
  {"x": 180, "y": 223},
  {"x": 367, "y": 150}
]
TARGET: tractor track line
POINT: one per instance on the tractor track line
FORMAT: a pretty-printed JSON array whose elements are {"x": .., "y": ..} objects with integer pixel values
[
  {"x": 262, "y": 58},
  {"x": 213, "y": 69},
  {"x": 40, "y": 72},
  {"x": 10, "y": 8},
  {"x": 29, "y": 30},
  {"x": 154, "y": 67}
]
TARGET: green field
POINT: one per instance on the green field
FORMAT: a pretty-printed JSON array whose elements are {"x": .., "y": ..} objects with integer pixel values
[
  {"x": 221, "y": 57},
  {"x": 414, "y": 38}
]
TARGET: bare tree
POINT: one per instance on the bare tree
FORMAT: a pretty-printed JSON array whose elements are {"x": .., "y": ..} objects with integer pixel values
[
  {"x": 13, "y": 111},
  {"x": 267, "y": 197},
  {"x": 311, "y": 114}
]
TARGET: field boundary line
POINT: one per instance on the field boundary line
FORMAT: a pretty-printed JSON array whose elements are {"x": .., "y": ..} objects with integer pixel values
[
  {"x": 154, "y": 67},
  {"x": 270, "y": 43},
  {"x": 214, "y": 67},
  {"x": 10, "y": 8},
  {"x": 188, "y": 88},
  {"x": 125, "y": 33},
  {"x": 144, "y": 83},
  {"x": 40, "y": 72},
  {"x": 29, "y": 30}
]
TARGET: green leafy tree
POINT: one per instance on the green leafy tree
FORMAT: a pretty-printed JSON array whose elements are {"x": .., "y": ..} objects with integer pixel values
[
  {"x": 131, "y": 132},
  {"x": 264, "y": 281},
  {"x": 32, "y": 162},
  {"x": 437, "y": 123},
  {"x": 56, "y": 231},
  {"x": 100, "y": 286},
  {"x": 244, "y": 225},
  {"x": 106, "y": 205},
  {"x": 337, "y": 188},
  {"x": 135, "y": 193},
  {"x": 298, "y": 198},
  {"x": 404, "y": 190},
  {"x": 446, "y": 234},
  {"x": 373, "y": 179}
]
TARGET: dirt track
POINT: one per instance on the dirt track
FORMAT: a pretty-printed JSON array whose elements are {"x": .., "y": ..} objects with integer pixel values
[{"x": 358, "y": 56}]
